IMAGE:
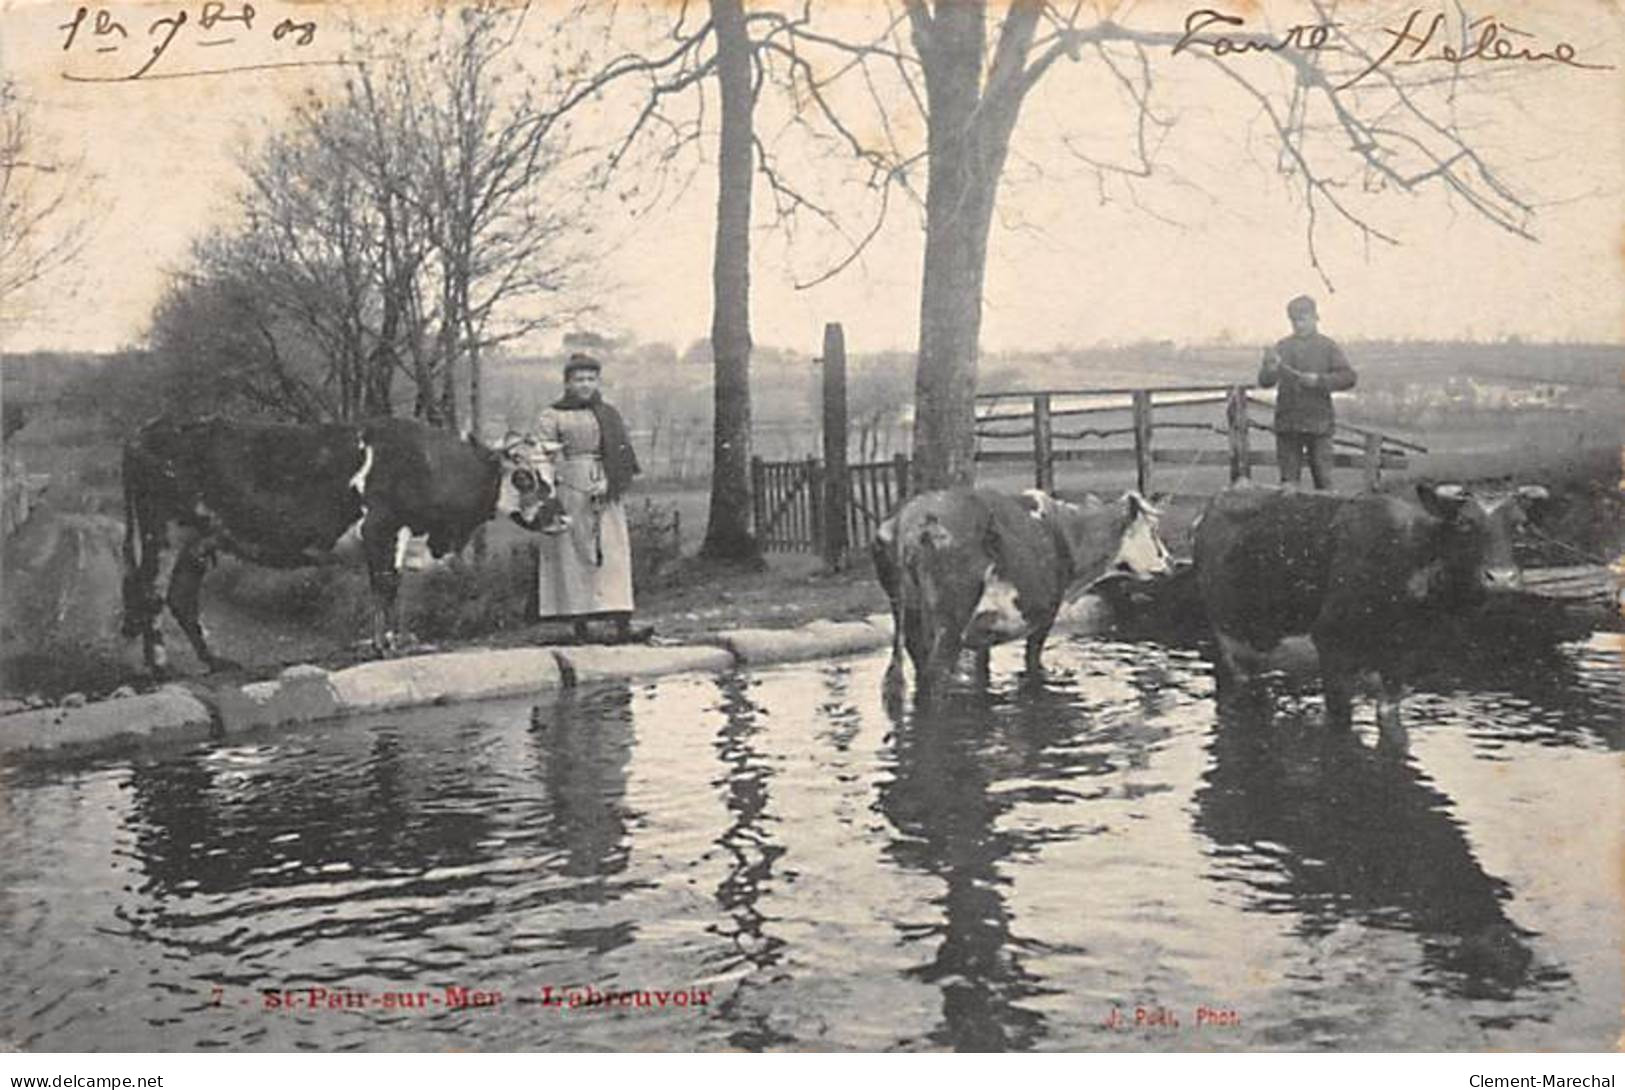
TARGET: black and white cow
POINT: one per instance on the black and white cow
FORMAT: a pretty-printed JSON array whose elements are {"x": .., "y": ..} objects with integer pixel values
[
  {"x": 971, "y": 568},
  {"x": 289, "y": 496}
]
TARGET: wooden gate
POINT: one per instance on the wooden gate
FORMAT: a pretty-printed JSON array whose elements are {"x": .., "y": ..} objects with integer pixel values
[{"x": 788, "y": 502}]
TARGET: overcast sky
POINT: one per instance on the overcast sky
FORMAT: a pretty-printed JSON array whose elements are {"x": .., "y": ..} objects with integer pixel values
[{"x": 1211, "y": 249}]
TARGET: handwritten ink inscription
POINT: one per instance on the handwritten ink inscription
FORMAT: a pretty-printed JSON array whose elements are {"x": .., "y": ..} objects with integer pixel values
[
  {"x": 1485, "y": 40},
  {"x": 160, "y": 48}
]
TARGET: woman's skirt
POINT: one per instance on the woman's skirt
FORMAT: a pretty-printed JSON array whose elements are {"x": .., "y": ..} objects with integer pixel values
[{"x": 588, "y": 568}]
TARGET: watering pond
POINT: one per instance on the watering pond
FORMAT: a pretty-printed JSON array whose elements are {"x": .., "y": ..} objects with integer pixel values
[{"x": 768, "y": 860}]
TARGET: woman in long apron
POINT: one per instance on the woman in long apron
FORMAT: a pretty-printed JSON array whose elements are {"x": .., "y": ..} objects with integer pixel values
[{"x": 586, "y": 572}]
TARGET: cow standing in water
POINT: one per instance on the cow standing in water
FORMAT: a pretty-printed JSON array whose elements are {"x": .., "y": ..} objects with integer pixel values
[
  {"x": 967, "y": 568},
  {"x": 1364, "y": 577},
  {"x": 290, "y": 496}
]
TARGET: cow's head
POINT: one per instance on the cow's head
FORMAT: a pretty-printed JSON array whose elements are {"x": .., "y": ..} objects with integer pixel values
[
  {"x": 527, "y": 492},
  {"x": 1475, "y": 553},
  {"x": 1118, "y": 538}
]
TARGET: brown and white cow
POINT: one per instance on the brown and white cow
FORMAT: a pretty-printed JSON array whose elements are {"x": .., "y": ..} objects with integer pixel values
[
  {"x": 1366, "y": 578},
  {"x": 289, "y": 496},
  {"x": 972, "y": 568}
]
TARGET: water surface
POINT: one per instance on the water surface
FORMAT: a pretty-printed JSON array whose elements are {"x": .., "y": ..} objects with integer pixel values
[{"x": 1093, "y": 862}]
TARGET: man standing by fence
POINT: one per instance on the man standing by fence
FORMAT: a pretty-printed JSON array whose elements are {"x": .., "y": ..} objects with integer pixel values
[{"x": 1308, "y": 365}]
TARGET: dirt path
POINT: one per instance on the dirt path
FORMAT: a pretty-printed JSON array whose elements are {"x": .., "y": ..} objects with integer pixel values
[
  {"x": 62, "y": 579},
  {"x": 62, "y": 589}
]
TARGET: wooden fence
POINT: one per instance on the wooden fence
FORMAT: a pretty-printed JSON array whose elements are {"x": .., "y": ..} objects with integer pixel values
[{"x": 1036, "y": 415}]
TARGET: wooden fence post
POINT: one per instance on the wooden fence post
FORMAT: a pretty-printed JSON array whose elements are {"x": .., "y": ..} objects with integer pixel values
[
  {"x": 1142, "y": 441},
  {"x": 900, "y": 467},
  {"x": 1043, "y": 445},
  {"x": 815, "y": 501},
  {"x": 758, "y": 498},
  {"x": 1373, "y": 461},
  {"x": 837, "y": 484},
  {"x": 1239, "y": 427}
]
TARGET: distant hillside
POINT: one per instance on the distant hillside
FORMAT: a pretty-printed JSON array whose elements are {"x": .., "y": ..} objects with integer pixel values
[{"x": 1378, "y": 363}]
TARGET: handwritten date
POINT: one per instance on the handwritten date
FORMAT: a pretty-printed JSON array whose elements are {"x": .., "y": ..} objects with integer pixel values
[{"x": 213, "y": 25}]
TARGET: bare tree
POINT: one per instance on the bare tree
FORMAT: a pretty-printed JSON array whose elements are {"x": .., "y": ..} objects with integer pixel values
[
  {"x": 309, "y": 259},
  {"x": 222, "y": 351},
  {"x": 397, "y": 231},
  {"x": 45, "y": 214},
  {"x": 1348, "y": 130},
  {"x": 498, "y": 232}
]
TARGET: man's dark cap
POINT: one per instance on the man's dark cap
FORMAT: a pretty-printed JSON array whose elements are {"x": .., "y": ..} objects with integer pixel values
[
  {"x": 1301, "y": 305},
  {"x": 580, "y": 361}
]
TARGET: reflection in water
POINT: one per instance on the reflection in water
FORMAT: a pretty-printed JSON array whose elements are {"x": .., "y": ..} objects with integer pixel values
[
  {"x": 961, "y": 770},
  {"x": 940, "y": 803},
  {"x": 583, "y": 745},
  {"x": 1570, "y": 680},
  {"x": 248, "y": 852},
  {"x": 745, "y": 782},
  {"x": 254, "y": 817},
  {"x": 385, "y": 836},
  {"x": 1344, "y": 831},
  {"x": 958, "y": 769}
]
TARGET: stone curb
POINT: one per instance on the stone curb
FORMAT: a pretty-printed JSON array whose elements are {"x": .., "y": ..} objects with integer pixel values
[
  {"x": 445, "y": 679},
  {"x": 585, "y": 665},
  {"x": 170, "y": 714},
  {"x": 818, "y": 639},
  {"x": 307, "y": 694}
]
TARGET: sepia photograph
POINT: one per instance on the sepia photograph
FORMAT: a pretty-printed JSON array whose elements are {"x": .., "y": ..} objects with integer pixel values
[{"x": 813, "y": 526}]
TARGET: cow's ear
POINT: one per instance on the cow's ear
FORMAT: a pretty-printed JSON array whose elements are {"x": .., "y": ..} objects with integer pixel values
[
  {"x": 1138, "y": 504},
  {"x": 1443, "y": 501}
]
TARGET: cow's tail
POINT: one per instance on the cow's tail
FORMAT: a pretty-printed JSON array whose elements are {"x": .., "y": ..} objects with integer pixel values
[{"x": 134, "y": 620}]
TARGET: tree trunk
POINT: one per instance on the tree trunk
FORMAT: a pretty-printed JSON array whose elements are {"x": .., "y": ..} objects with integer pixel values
[
  {"x": 445, "y": 407},
  {"x": 968, "y": 141},
  {"x": 446, "y": 416},
  {"x": 424, "y": 405},
  {"x": 950, "y": 329},
  {"x": 728, "y": 532},
  {"x": 476, "y": 400}
]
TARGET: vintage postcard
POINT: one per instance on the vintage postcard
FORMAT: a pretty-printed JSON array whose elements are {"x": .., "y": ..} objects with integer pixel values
[{"x": 835, "y": 525}]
